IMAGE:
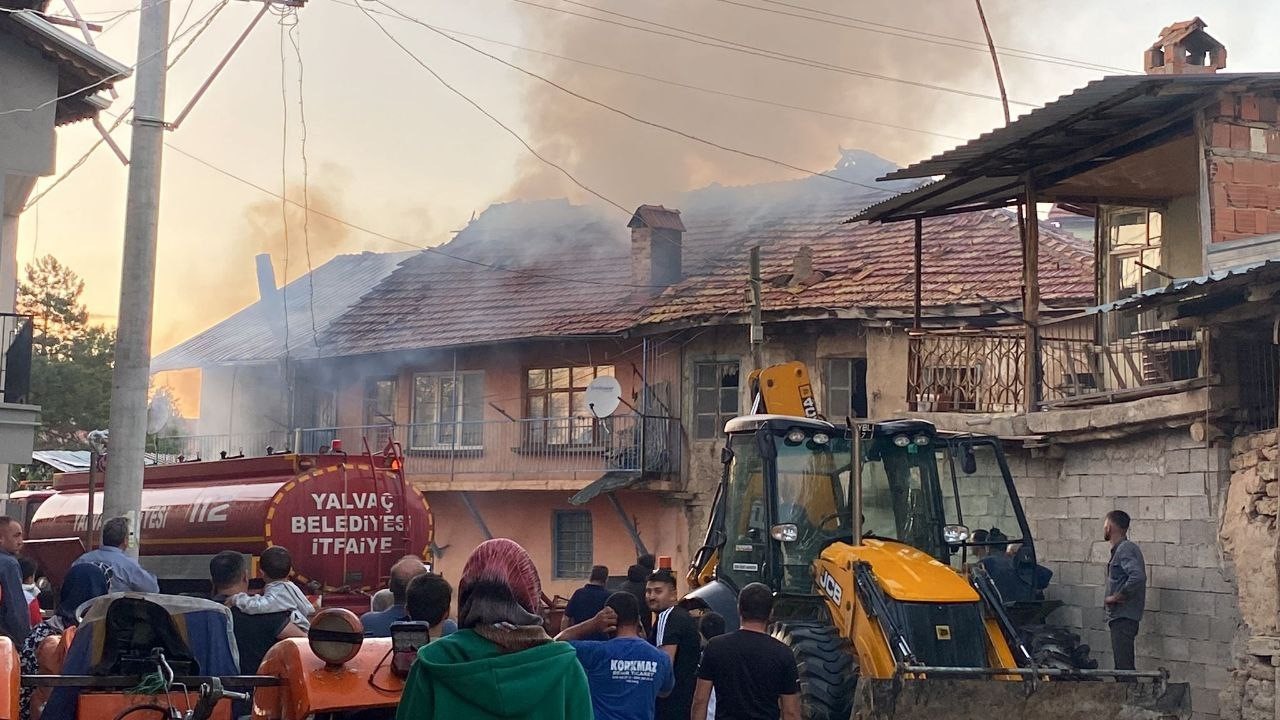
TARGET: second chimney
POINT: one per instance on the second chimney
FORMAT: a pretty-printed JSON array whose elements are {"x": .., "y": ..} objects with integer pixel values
[
  {"x": 657, "y": 238},
  {"x": 269, "y": 297},
  {"x": 1184, "y": 48}
]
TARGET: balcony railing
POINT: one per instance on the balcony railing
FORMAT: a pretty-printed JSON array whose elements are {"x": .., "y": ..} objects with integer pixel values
[
  {"x": 1084, "y": 360},
  {"x": 531, "y": 446},
  {"x": 186, "y": 448}
]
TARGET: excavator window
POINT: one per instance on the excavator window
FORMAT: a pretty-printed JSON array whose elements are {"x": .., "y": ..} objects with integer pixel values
[
  {"x": 979, "y": 500},
  {"x": 899, "y": 497}
]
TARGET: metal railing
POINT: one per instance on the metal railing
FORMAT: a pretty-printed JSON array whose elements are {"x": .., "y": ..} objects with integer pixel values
[
  {"x": 186, "y": 448},
  {"x": 519, "y": 447},
  {"x": 1083, "y": 360}
]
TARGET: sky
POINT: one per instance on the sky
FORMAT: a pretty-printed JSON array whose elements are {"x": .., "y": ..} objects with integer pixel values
[{"x": 391, "y": 149}]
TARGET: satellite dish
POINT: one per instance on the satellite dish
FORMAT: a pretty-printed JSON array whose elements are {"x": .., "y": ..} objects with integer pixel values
[{"x": 604, "y": 394}]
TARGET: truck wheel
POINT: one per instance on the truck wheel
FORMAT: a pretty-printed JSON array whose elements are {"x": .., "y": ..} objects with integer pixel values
[
  {"x": 1058, "y": 647},
  {"x": 825, "y": 664}
]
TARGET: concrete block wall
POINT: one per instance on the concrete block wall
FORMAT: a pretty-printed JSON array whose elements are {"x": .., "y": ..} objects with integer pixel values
[{"x": 1170, "y": 486}]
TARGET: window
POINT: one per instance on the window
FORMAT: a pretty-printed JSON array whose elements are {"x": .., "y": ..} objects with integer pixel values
[
  {"x": 846, "y": 388},
  {"x": 448, "y": 410},
  {"x": 572, "y": 543},
  {"x": 380, "y": 401},
  {"x": 715, "y": 397},
  {"x": 1132, "y": 240},
  {"x": 557, "y": 405}
]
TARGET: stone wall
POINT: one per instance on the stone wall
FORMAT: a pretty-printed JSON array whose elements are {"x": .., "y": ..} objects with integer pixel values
[
  {"x": 1170, "y": 485},
  {"x": 1249, "y": 540}
]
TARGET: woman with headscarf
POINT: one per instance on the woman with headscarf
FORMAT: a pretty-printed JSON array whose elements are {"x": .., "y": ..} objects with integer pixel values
[
  {"x": 82, "y": 584},
  {"x": 500, "y": 663}
]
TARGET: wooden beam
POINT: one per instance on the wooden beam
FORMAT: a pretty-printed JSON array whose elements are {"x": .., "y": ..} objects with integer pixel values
[{"x": 1031, "y": 296}]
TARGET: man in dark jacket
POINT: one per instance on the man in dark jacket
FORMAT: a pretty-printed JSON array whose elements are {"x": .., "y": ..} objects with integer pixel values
[
  {"x": 15, "y": 618},
  {"x": 1126, "y": 588},
  {"x": 637, "y": 577}
]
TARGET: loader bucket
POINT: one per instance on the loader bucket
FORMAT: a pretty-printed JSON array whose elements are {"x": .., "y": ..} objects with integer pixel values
[{"x": 982, "y": 699}]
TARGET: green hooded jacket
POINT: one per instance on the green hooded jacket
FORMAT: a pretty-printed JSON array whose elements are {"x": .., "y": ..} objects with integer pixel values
[{"x": 465, "y": 677}]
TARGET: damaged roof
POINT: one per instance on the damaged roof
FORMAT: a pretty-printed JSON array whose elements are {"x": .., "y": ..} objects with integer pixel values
[
  {"x": 565, "y": 270},
  {"x": 252, "y": 335}
]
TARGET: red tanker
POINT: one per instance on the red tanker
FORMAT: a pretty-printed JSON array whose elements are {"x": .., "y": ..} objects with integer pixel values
[{"x": 344, "y": 519}]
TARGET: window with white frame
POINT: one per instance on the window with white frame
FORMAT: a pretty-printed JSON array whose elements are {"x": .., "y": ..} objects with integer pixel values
[
  {"x": 1132, "y": 239},
  {"x": 448, "y": 410}
]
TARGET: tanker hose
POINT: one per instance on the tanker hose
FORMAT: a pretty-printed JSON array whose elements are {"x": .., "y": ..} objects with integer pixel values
[{"x": 146, "y": 707}]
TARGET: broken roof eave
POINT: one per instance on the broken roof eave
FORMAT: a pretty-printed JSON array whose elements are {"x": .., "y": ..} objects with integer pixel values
[
  {"x": 885, "y": 315},
  {"x": 1051, "y": 144}
]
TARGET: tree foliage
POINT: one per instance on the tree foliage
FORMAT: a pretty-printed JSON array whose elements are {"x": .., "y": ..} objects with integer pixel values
[{"x": 71, "y": 360}]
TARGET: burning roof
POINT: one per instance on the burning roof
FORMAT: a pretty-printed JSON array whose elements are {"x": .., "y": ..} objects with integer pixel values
[{"x": 551, "y": 269}]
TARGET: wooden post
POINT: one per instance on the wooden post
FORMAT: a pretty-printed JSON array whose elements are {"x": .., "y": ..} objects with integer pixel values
[
  {"x": 1031, "y": 296},
  {"x": 919, "y": 248}
]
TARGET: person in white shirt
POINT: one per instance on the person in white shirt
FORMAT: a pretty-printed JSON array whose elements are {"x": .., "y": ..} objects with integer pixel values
[{"x": 280, "y": 594}]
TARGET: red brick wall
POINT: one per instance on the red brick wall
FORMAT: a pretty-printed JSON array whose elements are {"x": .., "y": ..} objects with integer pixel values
[{"x": 1243, "y": 166}]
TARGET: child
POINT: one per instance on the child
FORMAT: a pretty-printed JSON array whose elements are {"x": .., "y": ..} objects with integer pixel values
[
  {"x": 280, "y": 594},
  {"x": 28, "y": 568}
]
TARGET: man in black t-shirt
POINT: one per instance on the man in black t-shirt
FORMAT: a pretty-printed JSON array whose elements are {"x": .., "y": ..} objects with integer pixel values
[
  {"x": 754, "y": 675},
  {"x": 587, "y": 601},
  {"x": 674, "y": 632}
]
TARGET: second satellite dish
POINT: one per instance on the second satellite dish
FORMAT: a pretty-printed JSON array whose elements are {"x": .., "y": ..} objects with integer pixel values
[{"x": 604, "y": 394}]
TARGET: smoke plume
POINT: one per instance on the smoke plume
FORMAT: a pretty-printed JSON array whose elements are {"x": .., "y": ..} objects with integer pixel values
[{"x": 631, "y": 163}]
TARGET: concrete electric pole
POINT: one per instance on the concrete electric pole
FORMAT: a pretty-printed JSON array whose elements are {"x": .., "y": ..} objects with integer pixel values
[{"x": 122, "y": 491}]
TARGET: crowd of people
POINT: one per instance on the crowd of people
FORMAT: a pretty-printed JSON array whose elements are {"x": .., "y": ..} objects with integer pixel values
[{"x": 634, "y": 654}]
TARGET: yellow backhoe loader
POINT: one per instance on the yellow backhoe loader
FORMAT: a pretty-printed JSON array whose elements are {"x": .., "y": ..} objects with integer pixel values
[{"x": 883, "y": 593}]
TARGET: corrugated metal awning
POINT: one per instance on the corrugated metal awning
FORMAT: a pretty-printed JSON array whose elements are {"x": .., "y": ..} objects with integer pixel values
[{"x": 1106, "y": 119}]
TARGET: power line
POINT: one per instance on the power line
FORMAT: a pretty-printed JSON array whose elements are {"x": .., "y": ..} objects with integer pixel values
[
  {"x": 392, "y": 238},
  {"x": 284, "y": 192},
  {"x": 199, "y": 27},
  {"x": 917, "y": 35},
  {"x": 625, "y": 114},
  {"x": 491, "y": 116},
  {"x": 744, "y": 48},
  {"x": 306, "y": 191},
  {"x": 104, "y": 81},
  {"x": 675, "y": 83}
]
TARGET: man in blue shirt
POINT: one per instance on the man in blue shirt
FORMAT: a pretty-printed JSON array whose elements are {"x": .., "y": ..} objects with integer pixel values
[
  {"x": 123, "y": 572},
  {"x": 378, "y": 624},
  {"x": 587, "y": 601},
  {"x": 626, "y": 674}
]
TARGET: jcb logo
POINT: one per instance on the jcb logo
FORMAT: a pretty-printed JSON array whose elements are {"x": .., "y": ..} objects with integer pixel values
[
  {"x": 830, "y": 587},
  {"x": 807, "y": 402}
]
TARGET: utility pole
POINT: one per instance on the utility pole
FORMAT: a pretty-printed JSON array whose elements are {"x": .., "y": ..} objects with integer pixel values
[
  {"x": 122, "y": 491},
  {"x": 757, "y": 326}
]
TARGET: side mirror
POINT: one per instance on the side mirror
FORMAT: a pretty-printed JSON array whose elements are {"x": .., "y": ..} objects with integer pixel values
[
  {"x": 786, "y": 532},
  {"x": 968, "y": 463},
  {"x": 955, "y": 534},
  {"x": 726, "y": 455}
]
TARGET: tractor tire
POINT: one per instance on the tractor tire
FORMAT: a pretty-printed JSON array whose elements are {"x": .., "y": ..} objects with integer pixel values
[
  {"x": 826, "y": 666},
  {"x": 1054, "y": 646}
]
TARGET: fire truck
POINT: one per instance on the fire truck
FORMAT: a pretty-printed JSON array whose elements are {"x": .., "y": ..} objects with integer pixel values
[{"x": 345, "y": 519}]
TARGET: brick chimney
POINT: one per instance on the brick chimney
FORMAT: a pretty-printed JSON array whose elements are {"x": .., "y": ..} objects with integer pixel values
[
  {"x": 1184, "y": 48},
  {"x": 657, "y": 237}
]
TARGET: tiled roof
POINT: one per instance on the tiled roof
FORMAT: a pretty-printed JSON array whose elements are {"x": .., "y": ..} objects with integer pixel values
[
  {"x": 560, "y": 269},
  {"x": 566, "y": 269},
  {"x": 250, "y": 335}
]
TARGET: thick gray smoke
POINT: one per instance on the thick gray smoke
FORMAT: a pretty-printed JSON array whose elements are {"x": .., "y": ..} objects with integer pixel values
[{"x": 633, "y": 164}]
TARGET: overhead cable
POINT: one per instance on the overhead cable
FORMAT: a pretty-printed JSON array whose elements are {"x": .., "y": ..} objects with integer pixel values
[
  {"x": 744, "y": 48},
  {"x": 630, "y": 116}
]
